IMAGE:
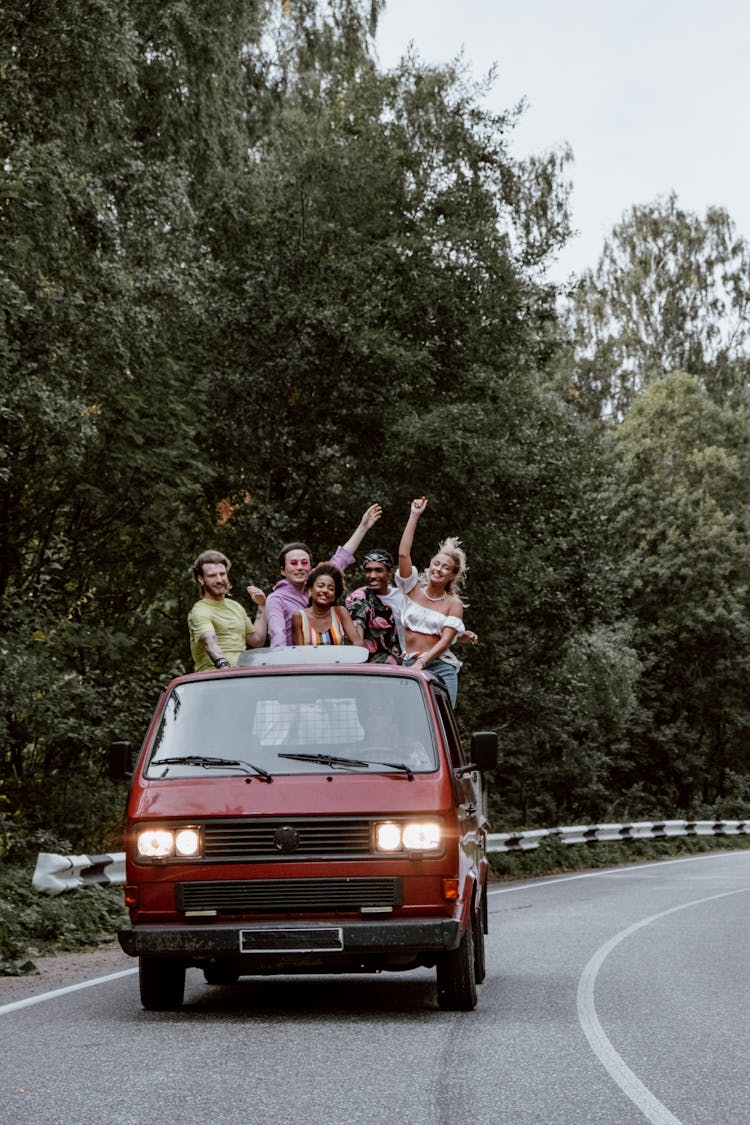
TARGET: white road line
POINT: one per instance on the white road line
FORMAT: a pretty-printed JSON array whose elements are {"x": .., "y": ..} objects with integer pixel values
[
  {"x": 38, "y": 999},
  {"x": 651, "y": 1108},
  {"x": 654, "y": 865}
]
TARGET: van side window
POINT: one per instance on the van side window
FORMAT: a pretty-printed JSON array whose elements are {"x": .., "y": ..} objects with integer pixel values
[{"x": 450, "y": 730}]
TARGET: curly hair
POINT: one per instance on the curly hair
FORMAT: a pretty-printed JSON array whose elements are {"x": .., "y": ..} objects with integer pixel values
[{"x": 332, "y": 571}]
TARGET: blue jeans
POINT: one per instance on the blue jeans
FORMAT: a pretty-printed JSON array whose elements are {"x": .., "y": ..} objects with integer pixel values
[{"x": 445, "y": 670}]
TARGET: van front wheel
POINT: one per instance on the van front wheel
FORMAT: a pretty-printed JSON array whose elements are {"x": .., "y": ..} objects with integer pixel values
[
  {"x": 456, "y": 980},
  {"x": 162, "y": 983}
]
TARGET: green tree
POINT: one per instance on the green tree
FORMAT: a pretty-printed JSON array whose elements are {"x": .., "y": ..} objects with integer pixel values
[
  {"x": 679, "y": 519},
  {"x": 671, "y": 291},
  {"x": 100, "y": 477},
  {"x": 380, "y": 328},
  {"x": 372, "y": 277},
  {"x": 250, "y": 283}
]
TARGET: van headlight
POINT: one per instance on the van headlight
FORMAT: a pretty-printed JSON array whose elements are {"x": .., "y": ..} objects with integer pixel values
[
  {"x": 168, "y": 843},
  {"x": 408, "y": 836}
]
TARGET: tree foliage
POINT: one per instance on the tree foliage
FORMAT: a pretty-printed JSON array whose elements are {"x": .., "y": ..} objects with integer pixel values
[
  {"x": 671, "y": 292},
  {"x": 251, "y": 283},
  {"x": 382, "y": 325},
  {"x": 98, "y": 478},
  {"x": 679, "y": 519}
]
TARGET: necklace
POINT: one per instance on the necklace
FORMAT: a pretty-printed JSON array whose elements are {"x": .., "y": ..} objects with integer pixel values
[{"x": 430, "y": 598}]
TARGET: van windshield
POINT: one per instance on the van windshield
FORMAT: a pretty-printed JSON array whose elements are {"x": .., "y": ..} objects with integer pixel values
[{"x": 293, "y": 725}]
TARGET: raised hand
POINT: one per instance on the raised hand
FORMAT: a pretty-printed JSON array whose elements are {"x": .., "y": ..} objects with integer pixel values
[{"x": 371, "y": 516}]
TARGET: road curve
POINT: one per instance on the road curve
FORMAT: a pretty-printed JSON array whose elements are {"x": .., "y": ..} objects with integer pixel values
[{"x": 612, "y": 997}]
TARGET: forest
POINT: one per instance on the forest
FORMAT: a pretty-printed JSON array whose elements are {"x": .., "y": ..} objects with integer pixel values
[{"x": 250, "y": 283}]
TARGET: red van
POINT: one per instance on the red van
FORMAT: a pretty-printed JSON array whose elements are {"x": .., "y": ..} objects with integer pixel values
[{"x": 306, "y": 813}]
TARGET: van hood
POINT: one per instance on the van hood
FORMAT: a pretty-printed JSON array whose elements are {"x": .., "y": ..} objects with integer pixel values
[{"x": 324, "y": 794}]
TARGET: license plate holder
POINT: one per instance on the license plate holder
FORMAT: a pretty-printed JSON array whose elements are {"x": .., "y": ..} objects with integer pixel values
[{"x": 329, "y": 939}]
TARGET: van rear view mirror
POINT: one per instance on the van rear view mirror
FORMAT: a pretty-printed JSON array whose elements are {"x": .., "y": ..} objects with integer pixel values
[
  {"x": 484, "y": 749},
  {"x": 120, "y": 761}
]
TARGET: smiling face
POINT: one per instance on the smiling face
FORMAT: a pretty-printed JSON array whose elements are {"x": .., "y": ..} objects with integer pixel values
[
  {"x": 376, "y": 577},
  {"x": 441, "y": 570},
  {"x": 296, "y": 568},
  {"x": 215, "y": 582},
  {"x": 323, "y": 591}
]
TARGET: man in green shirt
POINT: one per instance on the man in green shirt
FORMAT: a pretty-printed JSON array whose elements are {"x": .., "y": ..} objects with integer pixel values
[{"x": 219, "y": 627}]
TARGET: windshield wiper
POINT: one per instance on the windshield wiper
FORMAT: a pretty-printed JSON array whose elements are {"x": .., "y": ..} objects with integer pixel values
[
  {"x": 398, "y": 766},
  {"x": 206, "y": 762},
  {"x": 332, "y": 761},
  {"x": 326, "y": 760}
]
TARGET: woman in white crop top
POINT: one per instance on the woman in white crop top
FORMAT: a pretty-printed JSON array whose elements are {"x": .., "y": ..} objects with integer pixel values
[{"x": 431, "y": 610}]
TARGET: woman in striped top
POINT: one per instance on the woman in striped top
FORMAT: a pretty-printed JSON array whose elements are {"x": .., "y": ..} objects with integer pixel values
[{"x": 324, "y": 622}]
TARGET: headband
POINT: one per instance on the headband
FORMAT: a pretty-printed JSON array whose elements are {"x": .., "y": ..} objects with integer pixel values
[{"x": 379, "y": 556}]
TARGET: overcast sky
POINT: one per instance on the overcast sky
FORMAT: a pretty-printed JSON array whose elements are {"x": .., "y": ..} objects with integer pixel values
[{"x": 651, "y": 95}]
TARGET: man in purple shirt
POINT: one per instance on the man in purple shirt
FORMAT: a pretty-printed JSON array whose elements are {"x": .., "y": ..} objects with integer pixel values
[{"x": 289, "y": 595}]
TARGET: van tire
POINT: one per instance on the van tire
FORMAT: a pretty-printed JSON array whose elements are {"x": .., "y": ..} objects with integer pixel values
[
  {"x": 456, "y": 982},
  {"x": 162, "y": 983}
]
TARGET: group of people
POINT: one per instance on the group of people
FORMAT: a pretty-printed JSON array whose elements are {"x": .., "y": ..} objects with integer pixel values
[{"x": 399, "y": 616}]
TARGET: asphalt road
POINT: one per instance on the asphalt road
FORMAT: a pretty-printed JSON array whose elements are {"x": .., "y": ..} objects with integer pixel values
[{"x": 613, "y": 997}]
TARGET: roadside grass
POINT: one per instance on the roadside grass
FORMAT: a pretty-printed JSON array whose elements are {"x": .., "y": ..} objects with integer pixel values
[{"x": 32, "y": 924}]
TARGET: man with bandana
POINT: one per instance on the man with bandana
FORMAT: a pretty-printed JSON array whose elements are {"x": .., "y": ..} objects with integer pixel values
[{"x": 371, "y": 612}]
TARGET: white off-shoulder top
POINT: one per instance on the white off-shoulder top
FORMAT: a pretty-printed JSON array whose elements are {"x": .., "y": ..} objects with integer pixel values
[{"x": 420, "y": 618}]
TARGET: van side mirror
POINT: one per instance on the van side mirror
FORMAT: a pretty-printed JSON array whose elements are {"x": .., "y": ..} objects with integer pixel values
[
  {"x": 484, "y": 749},
  {"x": 120, "y": 761}
]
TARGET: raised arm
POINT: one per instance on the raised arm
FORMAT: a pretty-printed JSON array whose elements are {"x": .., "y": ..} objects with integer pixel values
[
  {"x": 369, "y": 519},
  {"x": 407, "y": 537}
]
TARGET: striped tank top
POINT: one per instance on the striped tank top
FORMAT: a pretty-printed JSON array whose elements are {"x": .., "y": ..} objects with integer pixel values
[{"x": 333, "y": 636}]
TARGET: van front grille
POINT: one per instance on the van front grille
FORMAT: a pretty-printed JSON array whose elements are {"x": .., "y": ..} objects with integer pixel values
[{"x": 284, "y": 839}]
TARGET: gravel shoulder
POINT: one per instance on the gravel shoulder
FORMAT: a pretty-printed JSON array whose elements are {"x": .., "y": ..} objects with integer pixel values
[{"x": 62, "y": 969}]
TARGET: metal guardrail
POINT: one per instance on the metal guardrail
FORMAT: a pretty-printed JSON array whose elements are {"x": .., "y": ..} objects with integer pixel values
[
  {"x": 607, "y": 833},
  {"x": 57, "y": 873}
]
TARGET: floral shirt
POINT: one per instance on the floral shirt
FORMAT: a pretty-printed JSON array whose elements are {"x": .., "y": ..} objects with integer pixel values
[{"x": 378, "y": 624}]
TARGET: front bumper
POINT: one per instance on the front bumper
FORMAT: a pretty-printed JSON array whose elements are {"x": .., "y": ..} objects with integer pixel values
[{"x": 316, "y": 946}]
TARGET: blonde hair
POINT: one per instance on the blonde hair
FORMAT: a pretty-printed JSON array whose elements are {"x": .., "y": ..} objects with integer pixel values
[{"x": 453, "y": 549}]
